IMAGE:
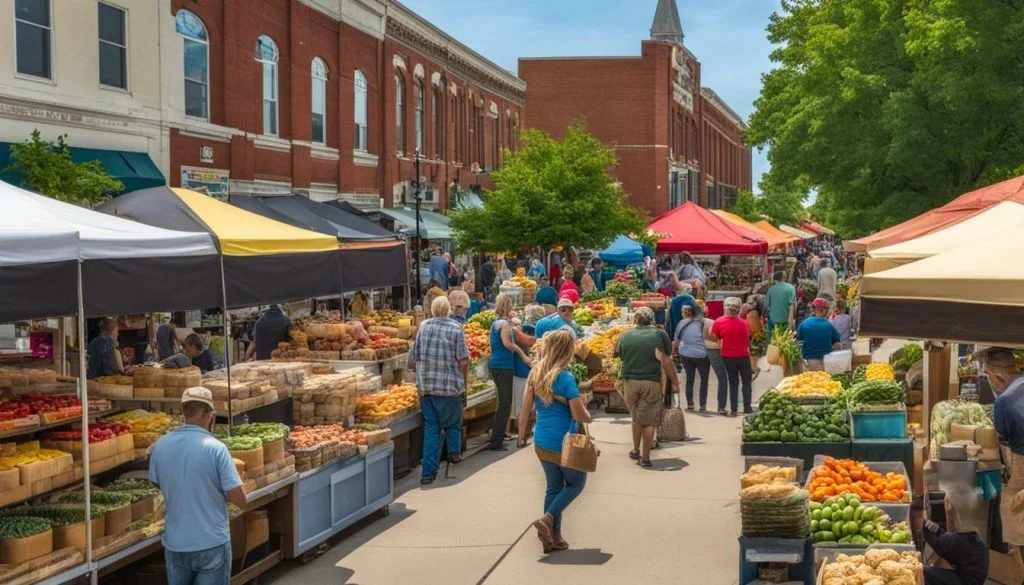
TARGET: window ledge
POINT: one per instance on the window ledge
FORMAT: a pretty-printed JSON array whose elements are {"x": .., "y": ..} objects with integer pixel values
[
  {"x": 272, "y": 143},
  {"x": 36, "y": 79},
  {"x": 364, "y": 159},
  {"x": 324, "y": 152}
]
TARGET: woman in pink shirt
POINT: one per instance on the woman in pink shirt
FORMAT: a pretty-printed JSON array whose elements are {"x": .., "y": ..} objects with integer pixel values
[
  {"x": 733, "y": 333},
  {"x": 569, "y": 289}
]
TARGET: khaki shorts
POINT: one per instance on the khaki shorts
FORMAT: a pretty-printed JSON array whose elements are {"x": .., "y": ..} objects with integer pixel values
[{"x": 644, "y": 400}]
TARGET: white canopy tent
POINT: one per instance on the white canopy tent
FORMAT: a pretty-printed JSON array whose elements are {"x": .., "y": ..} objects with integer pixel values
[
  {"x": 797, "y": 232},
  {"x": 127, "y": 266}
]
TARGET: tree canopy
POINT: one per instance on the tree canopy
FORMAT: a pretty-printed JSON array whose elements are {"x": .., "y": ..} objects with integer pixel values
[
  {"x": 888, "y": 108},
  {"x": 47, "y": 168},
  {"x": 550, "y": 193}
]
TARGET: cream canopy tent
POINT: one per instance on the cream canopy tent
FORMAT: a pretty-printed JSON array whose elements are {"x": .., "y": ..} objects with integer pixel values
[
  {"x": 799, "y": 233},
  {"x": 998, "y": 218},
  {"x": 969, "y": 294}
]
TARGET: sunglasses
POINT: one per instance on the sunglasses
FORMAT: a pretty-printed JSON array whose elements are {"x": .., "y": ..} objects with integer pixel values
[{"x": 565, "y": 310}]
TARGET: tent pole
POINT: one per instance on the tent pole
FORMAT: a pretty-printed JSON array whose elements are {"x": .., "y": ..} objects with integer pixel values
[
  {"x": 83, "y": 394},
  {"x": 227, "y": 338}
]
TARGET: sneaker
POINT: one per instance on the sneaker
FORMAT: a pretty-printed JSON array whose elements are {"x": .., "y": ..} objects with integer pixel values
[
  {"x": 428, "y": 479},
  {"x": 634, "y": 455}
]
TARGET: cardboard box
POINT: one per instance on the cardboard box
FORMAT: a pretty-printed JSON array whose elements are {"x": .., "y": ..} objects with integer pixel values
[
  {"x": 143, "y": 508},
  {"x": 1005, "y": 569},
  {"x": 257, "y": 529},
  {"x": 118, "y": 520},
  {"x": 42, "y": 486},
  {"x": 14, "y": 551},
  {"x": 63, "y": 479},
  {"x": 238, "y": 530},
  {"x": 74, "y": 535},
  {"x": 273, "y": 451},
  {"x": 22, "y": 492},
  {"x": 37, "y": 470},
  {"x": 10, "y": 478}
]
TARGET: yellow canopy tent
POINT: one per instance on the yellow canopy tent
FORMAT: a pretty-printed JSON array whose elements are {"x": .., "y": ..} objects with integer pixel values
[{"x": 774, "y": 241}]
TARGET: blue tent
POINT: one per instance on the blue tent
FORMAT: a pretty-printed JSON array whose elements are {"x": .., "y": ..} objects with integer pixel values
[{"x": 624, "y": 251}]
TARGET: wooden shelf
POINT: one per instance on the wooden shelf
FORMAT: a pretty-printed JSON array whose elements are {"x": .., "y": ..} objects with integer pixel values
[{"x": 69, "y": 421}]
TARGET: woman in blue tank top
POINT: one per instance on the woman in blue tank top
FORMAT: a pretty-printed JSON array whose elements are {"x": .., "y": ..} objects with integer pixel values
[{"x": 503, "y": 347}]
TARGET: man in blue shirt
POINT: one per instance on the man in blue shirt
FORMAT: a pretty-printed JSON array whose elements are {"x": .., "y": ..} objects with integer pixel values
[
  {"x": 818, "y": 336},
  {"x": 197, "y": 477},
  {"x": 546, "y": 295},
  {"x": 1008, "y": 414},
  {"x": 560, "y": 320},
  {"x": 439, "y": 269},
  {"x": 104, "y": 358}
]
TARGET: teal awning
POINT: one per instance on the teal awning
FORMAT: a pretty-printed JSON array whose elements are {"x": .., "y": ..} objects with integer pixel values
[
  {"x": 135, "y": 169},
  {"x": 433, "y": 226},
  {"x": 469, "y": 200}
]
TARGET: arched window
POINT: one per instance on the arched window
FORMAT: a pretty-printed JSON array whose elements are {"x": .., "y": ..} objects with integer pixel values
[
  {"x": 319, "y": 73},
  {"x": 436, "y": 123},
  {"x": 361, "y": 112},
  {"x": 266, "y": 55},
  {"x": 197, "y": 63},
  {"x": 399, "y": 113},
  {"x": 419, "y": 114}
]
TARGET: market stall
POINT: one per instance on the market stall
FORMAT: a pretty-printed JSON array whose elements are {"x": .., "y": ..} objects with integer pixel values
[
  {"x": 797, "y": 233},
  {"x": 776, "y": 241},
  {"x": 624, "y": 251}
]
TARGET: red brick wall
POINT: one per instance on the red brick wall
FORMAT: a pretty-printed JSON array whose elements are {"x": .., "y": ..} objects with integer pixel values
[{"x": 301, "y": 34}]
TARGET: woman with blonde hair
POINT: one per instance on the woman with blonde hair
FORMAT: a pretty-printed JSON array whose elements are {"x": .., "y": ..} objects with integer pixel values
[
  {"x": 551, "y": 390},
  {"x": 503, "y": 347}
]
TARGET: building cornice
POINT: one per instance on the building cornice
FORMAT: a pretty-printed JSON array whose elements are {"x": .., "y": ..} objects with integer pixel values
[
  {"x": 712, "y": 97},
  {"x": 410, "y": 29}
]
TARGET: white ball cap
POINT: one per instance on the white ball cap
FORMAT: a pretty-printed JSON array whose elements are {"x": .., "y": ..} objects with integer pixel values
[{"x": 197, "y": 394}]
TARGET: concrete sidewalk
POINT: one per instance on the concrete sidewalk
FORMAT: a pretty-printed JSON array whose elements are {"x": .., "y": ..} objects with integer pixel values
[{"x": 674, "y": 523}]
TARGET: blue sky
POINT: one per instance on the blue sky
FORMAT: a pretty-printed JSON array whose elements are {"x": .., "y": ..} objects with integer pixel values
[{"x": 727, "y": 36}]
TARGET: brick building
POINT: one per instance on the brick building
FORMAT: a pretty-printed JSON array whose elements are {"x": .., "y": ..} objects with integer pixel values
[
  {"x": 676, "y": 140},
  {"x": 329, "y": 97}
]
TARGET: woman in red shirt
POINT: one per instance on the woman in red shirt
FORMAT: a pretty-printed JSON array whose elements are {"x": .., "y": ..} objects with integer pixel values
[
  {"x": 733, "y": 333},
  {"x": 569, "y": 289}
]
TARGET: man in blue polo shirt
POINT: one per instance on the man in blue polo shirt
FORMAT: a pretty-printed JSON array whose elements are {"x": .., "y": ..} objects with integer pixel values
[
  {"x": 197, "y": 478},
  {"x": 560, "y": 320},
  {"x": 546, "y": 294},
  {"x": 818, "y": 335}
]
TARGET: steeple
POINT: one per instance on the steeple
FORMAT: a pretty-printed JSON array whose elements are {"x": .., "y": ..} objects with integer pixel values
[{"x": 666, "y": 26}]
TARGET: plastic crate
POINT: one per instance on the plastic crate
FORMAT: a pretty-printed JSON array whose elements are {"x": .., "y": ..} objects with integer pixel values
[
  {"x": 878, "y": 425},
  {"x": 898, "y": 511},
  {"x": 796, "y": 552}
]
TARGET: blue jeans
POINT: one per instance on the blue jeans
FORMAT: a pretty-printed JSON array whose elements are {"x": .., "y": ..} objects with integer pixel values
[
  {"x": 440, "y": 412},
  {"x": 564, "y": 485},
  {"x": 203, "y": 567}
]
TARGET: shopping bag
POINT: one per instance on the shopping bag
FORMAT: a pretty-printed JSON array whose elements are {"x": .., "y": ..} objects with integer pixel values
[
  {"x": 673, "y": 422},
  {"x": 773, "y": 354},
  {"x": 579, "y": 451}
]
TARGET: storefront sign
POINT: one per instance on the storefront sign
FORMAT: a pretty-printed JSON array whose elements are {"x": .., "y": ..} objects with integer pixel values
[
  {"x": 212, "y": 182},
  {"x": 206, "y": 154}
]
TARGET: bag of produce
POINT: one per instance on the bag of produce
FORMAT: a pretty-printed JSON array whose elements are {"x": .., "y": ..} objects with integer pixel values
[{"x": 773, "y": 354}]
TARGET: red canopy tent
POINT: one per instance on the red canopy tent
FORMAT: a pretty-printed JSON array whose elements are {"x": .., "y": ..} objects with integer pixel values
[
  {"x": 957, "y": 210},
  {"x": 691, "y": 228}
]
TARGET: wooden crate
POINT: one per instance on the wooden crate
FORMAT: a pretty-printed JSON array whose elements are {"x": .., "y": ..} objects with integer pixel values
[
  {"x": 41, "y": 487},
  {"x": 14, "y": 551}
]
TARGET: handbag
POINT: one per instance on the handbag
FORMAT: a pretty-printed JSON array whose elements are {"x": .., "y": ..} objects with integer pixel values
[
  {"x": 579, "y": 451},
  {"x": 774, "y": 354},
  {"x": 673, "y": 422}
]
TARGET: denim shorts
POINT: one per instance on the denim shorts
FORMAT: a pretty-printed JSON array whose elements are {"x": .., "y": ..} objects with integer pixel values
[{"x": 202, "y": 567}]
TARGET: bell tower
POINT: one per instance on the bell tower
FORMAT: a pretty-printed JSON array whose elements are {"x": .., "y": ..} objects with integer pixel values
[{"x": 667, "y": 26}]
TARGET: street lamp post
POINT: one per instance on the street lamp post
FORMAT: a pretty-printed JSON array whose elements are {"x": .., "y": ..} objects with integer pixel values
[{"x": 418, "y": 196}]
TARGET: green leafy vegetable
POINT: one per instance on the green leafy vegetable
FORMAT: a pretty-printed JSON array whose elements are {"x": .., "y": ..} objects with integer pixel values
[
  {"x": 241, "y": 443},
  {"x": 265, "y": 432},
  {"x": 23, "y": 526}
]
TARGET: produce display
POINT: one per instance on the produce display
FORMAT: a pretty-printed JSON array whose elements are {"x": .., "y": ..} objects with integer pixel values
[
  {"x": 762, "y": 474},
  {"x": 789, "y": 348},
  {"x": 873, "y": 371},
  {"x": 781, "y": 419},
  {"x": 809, "y": 384},
  {"x": 330, "y": 398},
  {"x": 844, "y": 519},
  {"x": 146, "y": 427},
  {"x": 23, "y": 526},
  {"x": 477, "y": 340},
  {"x": 98, "y": 431},
  {"x": 621, "y": 290},
  {"x": 960, "y": 412},
  {"x": 522, "y": 282},
  {"x": 27, "y": 453},
  {"x": 602, "y": 309},
  {"x": 266, "y": 432},
  {"x": 603, "y": 344},
  {"x": 840, "y": 476},
  {"x": 484, "y": 318},
  {"x": 579, "y": 371},
  {"x": 909, "y": 355},
  {"x": 138, "y": 488},
  {"x": 584, "y": 316},
  {"x": 239, "y": 443},
  {"x": 846, "y": 380},
  {"x": 382, "y": 318},
  {"x": 305, "y": 437},
  {"x": 874, "y": 567},
  {"x": 325, "y": 336},
  {"x": 478, "y": 387},
  {"x": 51, "y": 407},
  {"x": 382, "y": 407},
  {"x": 776, "y": 510},
  {"x": 23, "y": 379},
  {"x": 876, "y": 395},
  {"x": 109, "y": 500},
  {"x": 58, "y": 515}
]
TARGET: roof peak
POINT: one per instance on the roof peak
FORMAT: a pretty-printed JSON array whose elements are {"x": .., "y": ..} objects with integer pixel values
[{"x": 667, "y": 26}]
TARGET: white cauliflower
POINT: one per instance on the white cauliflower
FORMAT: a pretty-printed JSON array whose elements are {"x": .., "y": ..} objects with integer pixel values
[
  {"x": 874, "y": 581},
  {"x": 834, "y": 581},
  {"x": 876, "y": 556},
  {"x": 838, "y": 570},
  {"x": 893, "y": 570}
]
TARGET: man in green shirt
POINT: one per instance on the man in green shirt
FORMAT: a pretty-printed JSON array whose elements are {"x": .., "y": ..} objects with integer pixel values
[
  {"x": 646, "y": 352},
  {"x": 781, "y": 303}
]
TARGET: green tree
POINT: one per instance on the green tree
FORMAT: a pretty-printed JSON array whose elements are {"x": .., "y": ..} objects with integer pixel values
[
  {"x": 888, "y": 108},
  {"x": 550, "y": 193},
  {"x": 746, "y": 205},
  {"x": 47, "y": 168}
]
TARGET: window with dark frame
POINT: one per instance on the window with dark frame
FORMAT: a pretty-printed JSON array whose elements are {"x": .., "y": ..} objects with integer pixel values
[
  {"x": 33, "y": 38},
  {"x": 113, "y": 46},
  {"x": 196, "y": 57}
]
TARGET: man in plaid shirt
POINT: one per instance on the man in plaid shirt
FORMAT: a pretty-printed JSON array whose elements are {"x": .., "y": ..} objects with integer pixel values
[{"x": 440, "y": 359}]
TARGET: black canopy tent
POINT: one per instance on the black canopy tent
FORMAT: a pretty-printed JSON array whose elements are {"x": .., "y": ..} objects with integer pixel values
[{"x": 371, "y": 256}]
